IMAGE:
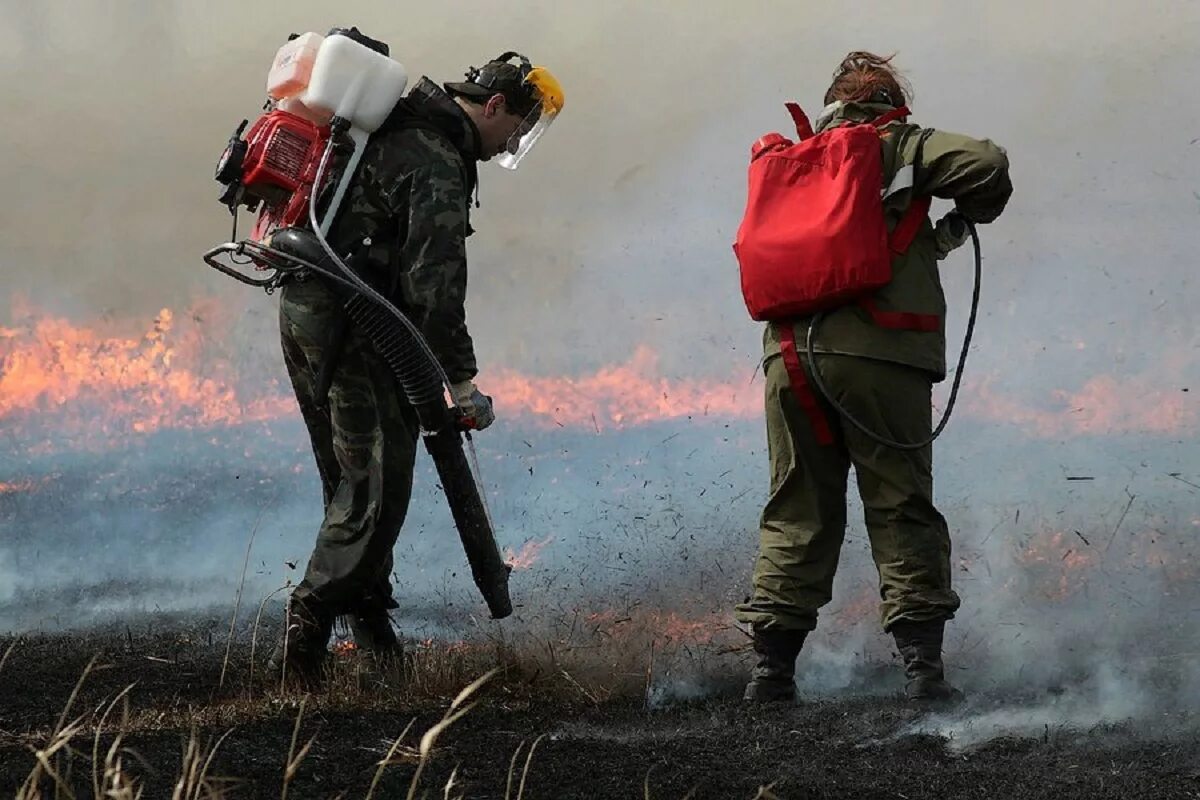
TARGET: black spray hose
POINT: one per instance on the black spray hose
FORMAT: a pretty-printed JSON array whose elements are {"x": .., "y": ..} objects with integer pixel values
[
  {"x": 958, "y": 372},
  {"x": 421, "y": 376},
  {"x": 361, "y": 286}
]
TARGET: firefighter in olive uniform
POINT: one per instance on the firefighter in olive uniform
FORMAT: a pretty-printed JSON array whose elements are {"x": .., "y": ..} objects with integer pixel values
[{"x": 879, "y": 361}]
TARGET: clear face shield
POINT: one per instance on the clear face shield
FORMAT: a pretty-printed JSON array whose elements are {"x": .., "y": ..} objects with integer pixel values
[{"x": 550, "y": 98}]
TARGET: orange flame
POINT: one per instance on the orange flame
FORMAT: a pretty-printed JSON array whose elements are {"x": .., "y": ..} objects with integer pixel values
[
  {"x": 1056, "y": 564},
  {"x": 143, "y": 382},
  {"x": 1104, "y": 405},
  {"x": 344, "y": 648},
  {"x": 632, "y": 393},
  {"x": 527, "y": 555},
  {"x": 110, "y": 380}
]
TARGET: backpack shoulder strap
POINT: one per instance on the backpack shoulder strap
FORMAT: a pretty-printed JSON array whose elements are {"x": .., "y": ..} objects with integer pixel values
[
  {"x": 804, "y": 128},
  {"x": 895, "y": 114}
]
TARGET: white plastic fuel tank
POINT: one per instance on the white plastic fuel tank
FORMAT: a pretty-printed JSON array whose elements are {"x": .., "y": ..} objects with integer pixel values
[
  {"x": 354, "y": 82},
  {"x": 293, "y": 65}
]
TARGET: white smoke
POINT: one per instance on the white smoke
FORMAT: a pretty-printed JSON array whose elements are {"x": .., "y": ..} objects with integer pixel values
[{"x": 1109, "y": 698}]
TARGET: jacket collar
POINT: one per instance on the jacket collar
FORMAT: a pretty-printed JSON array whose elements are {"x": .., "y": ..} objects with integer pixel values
[
  {"x": 436, "y": 105},
  {"x": 839, "y": 113}
]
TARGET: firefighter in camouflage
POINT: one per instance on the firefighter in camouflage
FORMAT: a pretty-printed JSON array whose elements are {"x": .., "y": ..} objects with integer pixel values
[{"x": 405, "y": 225}]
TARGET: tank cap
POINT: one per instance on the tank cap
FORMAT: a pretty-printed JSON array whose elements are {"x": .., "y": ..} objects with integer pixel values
[{"x": 361, "y": 38}]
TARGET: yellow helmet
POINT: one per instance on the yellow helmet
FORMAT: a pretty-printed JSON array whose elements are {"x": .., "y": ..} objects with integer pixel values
[{"x": 547, "y": 89}]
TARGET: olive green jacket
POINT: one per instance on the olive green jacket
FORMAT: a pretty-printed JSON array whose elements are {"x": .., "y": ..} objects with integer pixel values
[{"x": 917, "y": 162}]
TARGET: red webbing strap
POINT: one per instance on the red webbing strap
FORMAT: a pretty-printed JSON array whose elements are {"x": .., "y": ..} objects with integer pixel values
[
  {"x": 901, "y": 320},
  {"x": 909, "y": 225},
  {"x": 800, "y": 388},
  {"x": 896, "y": 113},
  {"x": 898, "y": 242},
  {"x": 804, "y": 128},
  {"x": 900, "y": 239}
]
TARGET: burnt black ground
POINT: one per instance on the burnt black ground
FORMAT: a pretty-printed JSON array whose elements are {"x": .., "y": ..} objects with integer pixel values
[{"x": 717, "y": 748}]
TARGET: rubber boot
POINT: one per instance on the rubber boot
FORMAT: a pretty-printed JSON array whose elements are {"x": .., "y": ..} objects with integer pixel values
[
  {"x": 773, "y": 678},
  {"x": 299, "y": 656},
  {"x": 920, "y": 645}
]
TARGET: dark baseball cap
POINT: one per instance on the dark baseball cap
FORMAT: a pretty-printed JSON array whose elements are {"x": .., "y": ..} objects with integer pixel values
[{"x": 498, "y": 76}]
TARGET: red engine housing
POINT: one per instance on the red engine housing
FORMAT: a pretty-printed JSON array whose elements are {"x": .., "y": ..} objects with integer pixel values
[{"x": 280, "y": 167}]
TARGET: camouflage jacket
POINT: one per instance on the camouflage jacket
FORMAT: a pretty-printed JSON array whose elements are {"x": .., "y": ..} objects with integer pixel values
[
  {"x": 406, "y": 218},
  {"x": 917, "y": 162}
]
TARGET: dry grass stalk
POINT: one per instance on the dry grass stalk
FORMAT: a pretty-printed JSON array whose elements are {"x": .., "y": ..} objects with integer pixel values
[
  {"x": 62, "y": 718},
  {"x": 451, "y": 786},
  {"x": 458, "y": 709},
  {"x": 525, "y": 772},
  {"x": 294, "y": 759},
  {"x": 237, "y": 601},
  {"x": 59, "y": 743},
  {"x": 512, "y": 767},
  {"x": 387, "y": 759},
  {"x": 44, "y": 766},
  {"x": 590, "y": 695},
  {"x": 115, "y": 782},
  {"x": 194, "y": 782},
  {"x": 257, "y": 620},
  {"x": 7, "y": 652}
]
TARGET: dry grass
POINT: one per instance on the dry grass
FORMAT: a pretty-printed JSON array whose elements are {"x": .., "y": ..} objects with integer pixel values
[
  {"x": 589, "y": 664},
  {"x": 430, "y": 674},
  {"x": 112, "y": 780},
  {"x": 589, "y": 670}
]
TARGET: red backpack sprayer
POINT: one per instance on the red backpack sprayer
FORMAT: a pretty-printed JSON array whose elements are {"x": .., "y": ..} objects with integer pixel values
[
  {"x": 814, "y": 238},
  {"x": 328, "y": 92}
]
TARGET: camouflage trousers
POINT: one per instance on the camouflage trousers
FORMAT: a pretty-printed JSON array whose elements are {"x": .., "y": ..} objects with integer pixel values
[
  {"x": 364, "y": 438},
  {"x": 804, "y": 522}
]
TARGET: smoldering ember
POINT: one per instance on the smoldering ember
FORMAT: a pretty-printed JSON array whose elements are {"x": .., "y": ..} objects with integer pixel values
[{"x": 602, "y": 592}]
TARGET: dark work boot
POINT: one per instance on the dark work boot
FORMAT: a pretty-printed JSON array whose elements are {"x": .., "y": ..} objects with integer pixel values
[
  {"x": 374, "y": 635},
  {"x": 920, "y": 645},
  {"x": 774, "y": 676},
  {"x": 299, "y": 656}
]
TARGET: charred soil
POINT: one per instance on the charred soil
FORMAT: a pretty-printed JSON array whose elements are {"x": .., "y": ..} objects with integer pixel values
[{"x": 589, "y": 743}]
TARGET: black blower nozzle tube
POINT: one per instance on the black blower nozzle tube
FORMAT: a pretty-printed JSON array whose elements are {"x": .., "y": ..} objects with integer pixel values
[{"x": 422, "y": 385}]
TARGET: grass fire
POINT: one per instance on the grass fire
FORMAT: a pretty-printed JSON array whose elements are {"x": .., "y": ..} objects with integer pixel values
[{"x": 199, "y": 598}]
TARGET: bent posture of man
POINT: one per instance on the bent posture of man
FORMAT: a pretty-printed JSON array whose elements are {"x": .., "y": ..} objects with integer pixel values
[
  {"x": 404, "y": 225},
  {"x": 881, "y": 370}
]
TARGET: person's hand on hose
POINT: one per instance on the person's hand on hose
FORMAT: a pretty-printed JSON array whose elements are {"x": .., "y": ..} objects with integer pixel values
[
  {"x": 950, "y": 233},
  {"x": 476, "y": 407}
]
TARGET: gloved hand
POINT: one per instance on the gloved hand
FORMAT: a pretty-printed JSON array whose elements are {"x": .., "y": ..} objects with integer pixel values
[
  {"x": 475, "y": 406},
  {"x": 950, "y": 233}
]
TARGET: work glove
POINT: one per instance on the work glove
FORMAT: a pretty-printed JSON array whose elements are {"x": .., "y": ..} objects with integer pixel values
[
  {"x": 950, "y": 233},
  {"x": 476, "y": 407}
]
